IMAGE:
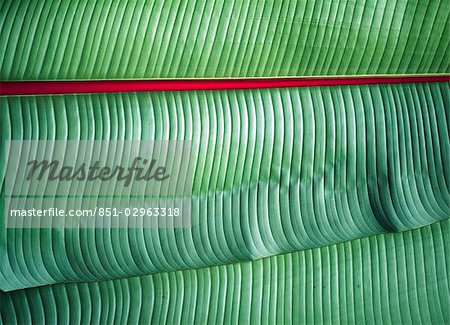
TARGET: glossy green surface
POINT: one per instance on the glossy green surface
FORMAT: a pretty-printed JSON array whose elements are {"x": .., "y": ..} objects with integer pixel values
[
  {"x": 288, "y": 183},
  {"x": 276, "y": 171},
  {"x": 44, "y": 39},
  {"x": 386, "y": 279}
]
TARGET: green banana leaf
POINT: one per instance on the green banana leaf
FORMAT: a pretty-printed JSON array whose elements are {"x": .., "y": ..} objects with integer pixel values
[
  {"x": 275, "y": 171},
  {"x": 287, "y": 183},
  {"x": 46, "y": 39},
  {"x": 390, "y": 278}
]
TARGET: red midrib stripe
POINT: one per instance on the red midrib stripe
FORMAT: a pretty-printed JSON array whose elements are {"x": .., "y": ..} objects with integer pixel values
[{"x": 111, "y": 86}]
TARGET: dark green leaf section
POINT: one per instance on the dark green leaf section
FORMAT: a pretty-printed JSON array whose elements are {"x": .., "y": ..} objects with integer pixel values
[
  {"x": 275, "y": 171},
  {"x": 398, "y": 278},
  {"x": 225, "y": 38}
]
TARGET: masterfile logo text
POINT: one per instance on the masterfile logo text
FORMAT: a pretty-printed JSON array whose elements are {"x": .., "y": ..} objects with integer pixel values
[{"x": 141, "y": 183}]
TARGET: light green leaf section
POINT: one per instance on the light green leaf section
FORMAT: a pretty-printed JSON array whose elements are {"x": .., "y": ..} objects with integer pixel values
[
  {"x": 386, "y": 279},
  {"x": 45, "y": 39},
  {"x": 276, "y": 171}
]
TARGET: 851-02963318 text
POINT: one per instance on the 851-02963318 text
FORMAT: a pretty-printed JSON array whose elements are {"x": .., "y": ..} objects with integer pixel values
[{"x": 98, "y": 211}]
